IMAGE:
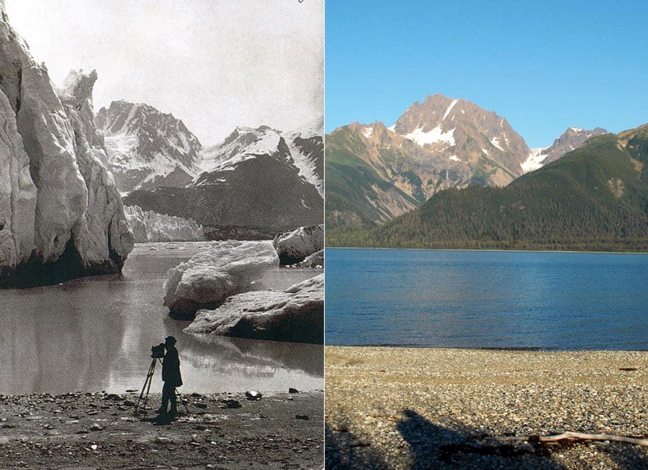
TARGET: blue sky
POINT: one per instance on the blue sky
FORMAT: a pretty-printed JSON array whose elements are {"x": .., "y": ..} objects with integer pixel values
[{"x": 544, "y": 66}]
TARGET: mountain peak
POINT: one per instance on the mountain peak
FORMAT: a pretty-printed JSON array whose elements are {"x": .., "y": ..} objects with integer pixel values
[
  {"x": 146, "y": 147},
  {"x": 569, "y": 140}
]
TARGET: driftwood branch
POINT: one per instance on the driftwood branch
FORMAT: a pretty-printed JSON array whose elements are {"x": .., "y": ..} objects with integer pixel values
[{"x": 573, "y": 436}]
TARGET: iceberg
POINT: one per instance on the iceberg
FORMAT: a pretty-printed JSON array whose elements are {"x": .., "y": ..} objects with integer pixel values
[
  {"x": 295, "y": 315},
  {"x": 299, "y": 244},
  {"x": 209, "y": 277}
]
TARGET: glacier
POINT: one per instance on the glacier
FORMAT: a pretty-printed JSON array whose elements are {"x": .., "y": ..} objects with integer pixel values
[
  {"x": 149, "y": 226},
  {"x": 61, "y": 215}
]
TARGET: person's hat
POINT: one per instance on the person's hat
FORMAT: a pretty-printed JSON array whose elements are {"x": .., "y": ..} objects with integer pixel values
[{"x": 170, "y": 339}]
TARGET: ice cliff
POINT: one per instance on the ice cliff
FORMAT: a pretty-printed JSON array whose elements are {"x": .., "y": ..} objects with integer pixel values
[{"x": 61, "y": 215}]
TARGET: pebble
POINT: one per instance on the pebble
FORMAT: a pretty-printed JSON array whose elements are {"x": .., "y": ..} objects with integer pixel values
[{"x": 430, "y": 402}]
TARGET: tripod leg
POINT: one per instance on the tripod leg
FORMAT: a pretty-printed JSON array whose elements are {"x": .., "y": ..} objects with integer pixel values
[
  {"x": 147, "y": 386},
  {"x": 179, "y": 397}
]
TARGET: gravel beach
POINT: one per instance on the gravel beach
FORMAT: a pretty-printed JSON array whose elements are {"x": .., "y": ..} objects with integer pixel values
[
  {"x": 403, "y": 408},
  {"x": 91, "y": 431}
]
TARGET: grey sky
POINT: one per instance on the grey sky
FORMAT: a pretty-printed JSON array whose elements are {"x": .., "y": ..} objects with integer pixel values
[{"x": 215, "y": 64}]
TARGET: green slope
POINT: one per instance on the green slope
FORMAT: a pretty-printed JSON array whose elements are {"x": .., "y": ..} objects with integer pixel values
[
  {"x": 353, "y": 187},
  {"x": 594, "y": 198}
]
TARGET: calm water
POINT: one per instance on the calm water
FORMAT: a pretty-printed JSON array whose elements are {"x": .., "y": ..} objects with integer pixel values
[
  {"x": 481, "y": 299},
  {"x": 96, "y": 334}
]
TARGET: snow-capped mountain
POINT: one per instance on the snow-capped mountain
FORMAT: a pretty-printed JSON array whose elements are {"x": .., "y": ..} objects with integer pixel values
[
  {"x": 252, "y": 186},
  {"x": 461, "y": 131},
  {"x": 306, "y": 147},
  {"x": 375, "y": 173},
  {"x": 146, "y": 148},
  {"x": 571, "y": 139}
]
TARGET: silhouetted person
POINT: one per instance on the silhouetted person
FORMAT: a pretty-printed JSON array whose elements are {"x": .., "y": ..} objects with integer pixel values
[{"x": 170, "y": 376}]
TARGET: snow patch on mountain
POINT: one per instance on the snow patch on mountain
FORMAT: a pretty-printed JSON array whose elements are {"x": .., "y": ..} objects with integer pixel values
[
  {"x": 434, "y": 136},
  {"x": 570, "y": 140},
  {"x": 367, "y": 132},
  {"x": 536, "y": 157},
  {"x": 307, "y": 150},
  {"x": 496, "y": 142},
  {"x": 147, "y": 148},
  {"x": 242, "y": 144},
  {"x": 305, "y": 147},
  {"x": 452, "y": 105}
]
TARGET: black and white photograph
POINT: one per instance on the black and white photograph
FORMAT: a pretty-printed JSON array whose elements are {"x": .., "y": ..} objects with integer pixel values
[{"x": 161, "y": 234}]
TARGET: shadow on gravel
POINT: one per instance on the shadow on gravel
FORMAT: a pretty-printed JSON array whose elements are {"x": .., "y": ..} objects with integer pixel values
[
  {"x": 631, "y": 459},
  {"x": 345, "y": 451},
  {"x": 434, "y": 447}
]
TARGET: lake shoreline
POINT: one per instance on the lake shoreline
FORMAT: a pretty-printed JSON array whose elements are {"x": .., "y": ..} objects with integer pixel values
[
  {"x": 485, "y": 348},
  {"x": 220, "y": 430},
  {"x": 400, "y": 407},
  {"x": 492, "y": 250}
]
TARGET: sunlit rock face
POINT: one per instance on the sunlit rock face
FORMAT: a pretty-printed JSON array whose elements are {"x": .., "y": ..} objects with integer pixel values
[
  {"x": 60, "y": 212},
  {"x": 223, "y": 270},
  {"x": 296, "y": 314}
]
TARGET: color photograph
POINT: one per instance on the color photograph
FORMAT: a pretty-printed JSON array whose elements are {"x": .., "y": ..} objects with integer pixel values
[{"x": 486, "y": 229}]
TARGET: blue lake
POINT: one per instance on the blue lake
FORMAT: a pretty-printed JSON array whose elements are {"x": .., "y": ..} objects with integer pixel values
[{"x": 487, "y": 299}]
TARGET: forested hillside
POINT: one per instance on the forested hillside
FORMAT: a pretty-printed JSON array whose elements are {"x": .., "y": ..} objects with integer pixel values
[{"x": 594, "y": 198}]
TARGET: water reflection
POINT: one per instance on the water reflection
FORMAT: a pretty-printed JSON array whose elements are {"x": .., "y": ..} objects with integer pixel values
[{"x": 96, "y": 334}]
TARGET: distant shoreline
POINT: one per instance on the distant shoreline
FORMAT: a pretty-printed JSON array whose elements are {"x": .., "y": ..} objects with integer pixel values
[
  {"x": 485, "y": 348},
  {"x": 496, "y": 250}
]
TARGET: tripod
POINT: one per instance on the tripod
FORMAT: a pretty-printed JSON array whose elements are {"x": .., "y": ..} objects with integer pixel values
[{"x": 147, "y": 388}]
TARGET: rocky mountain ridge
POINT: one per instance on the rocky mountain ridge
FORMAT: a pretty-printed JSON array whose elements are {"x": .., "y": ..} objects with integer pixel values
[
  {"x": 570, "y": 140},
  {"x": 593, "y": 198},
  {"x": 306, "y": 148},
  {"x": 253, "y": 187},
  {"x": 375, "y": 173},
  {"x": 147, "y": 148}
]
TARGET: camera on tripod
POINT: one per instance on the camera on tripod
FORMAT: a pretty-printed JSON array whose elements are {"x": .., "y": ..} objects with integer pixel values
[{"x": 157, "y": 352}]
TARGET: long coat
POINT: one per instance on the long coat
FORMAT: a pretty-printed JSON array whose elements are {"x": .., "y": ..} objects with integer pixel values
[{"x": 171, "y": 367}]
